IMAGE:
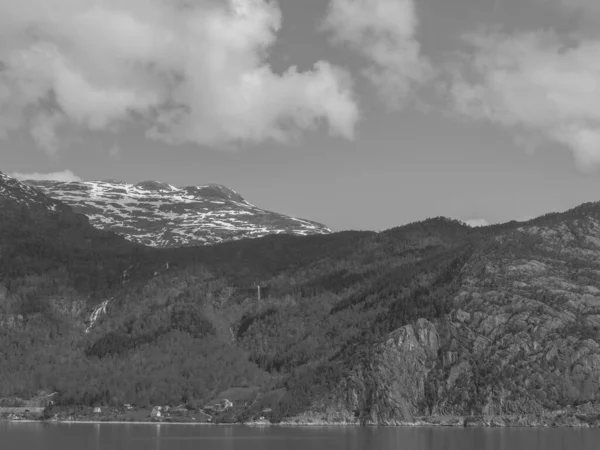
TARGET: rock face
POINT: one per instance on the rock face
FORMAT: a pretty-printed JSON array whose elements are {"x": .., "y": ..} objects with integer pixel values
[
  {"x": 521, "y": 344},
  {"x": 160, "y": 215}
]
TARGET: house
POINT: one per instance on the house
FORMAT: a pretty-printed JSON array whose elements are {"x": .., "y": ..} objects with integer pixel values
[
  {"x": 181, "y": 409},
  {"x": 223, "y": 405},
  {"x": 156, "y": 412},
  {"x": 97, "y": 410},
  {"x": 226, "y": 404}
]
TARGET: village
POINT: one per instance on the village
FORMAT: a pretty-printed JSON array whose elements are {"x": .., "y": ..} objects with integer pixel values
[{"x": 42, "y": 407}]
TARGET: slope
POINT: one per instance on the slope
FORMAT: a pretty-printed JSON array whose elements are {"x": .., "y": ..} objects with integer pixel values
[
  {"x": 55, "y": 269},
  {"x": 517, "y": 345}
]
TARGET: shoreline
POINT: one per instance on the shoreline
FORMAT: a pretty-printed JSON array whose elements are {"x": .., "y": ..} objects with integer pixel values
[
  {"x": 418, "y": 424},
  {"x": 112, "y": 422}
]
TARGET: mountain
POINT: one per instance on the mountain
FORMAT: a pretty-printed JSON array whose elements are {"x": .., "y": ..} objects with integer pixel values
[
  {"x": 431, "y": 322},
  {"x": 14, "y": 191},
  {"x": 518, "y": 344},
  {"x": 48, "y": 250},
  {"x": 160, "y": 215}
]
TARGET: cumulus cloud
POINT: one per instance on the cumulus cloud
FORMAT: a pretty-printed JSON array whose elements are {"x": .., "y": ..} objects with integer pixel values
[
  {"x": 383, "y": 31},
  {"x": 65, "y": 176},
  {"x": 477, "y": 222},
  {"x": 537, "y": 86},
  {"x": 189, "y": 71}
]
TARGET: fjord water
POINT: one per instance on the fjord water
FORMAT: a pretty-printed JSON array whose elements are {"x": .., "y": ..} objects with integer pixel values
[{"x": 34, "y": 436}]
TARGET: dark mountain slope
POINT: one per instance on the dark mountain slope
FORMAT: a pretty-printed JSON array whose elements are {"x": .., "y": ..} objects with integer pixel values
[
  {"x": 59, "y": 275},
  {"x": 60, "y": 246}
]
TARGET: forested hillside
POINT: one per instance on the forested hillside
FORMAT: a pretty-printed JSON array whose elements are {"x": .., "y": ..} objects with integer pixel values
[{"x": 429, "y": 318}]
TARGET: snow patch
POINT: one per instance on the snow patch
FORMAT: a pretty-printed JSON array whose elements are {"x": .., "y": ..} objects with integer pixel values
[{"x": 174, "y": 216}]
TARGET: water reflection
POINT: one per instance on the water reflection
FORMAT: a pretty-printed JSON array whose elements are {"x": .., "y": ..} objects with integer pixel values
[
  {"x": 97, "y": 435},
  {"x": 32, "y": 436},
  {"x": 23, "y": 426},
  {"x": 230, "y": 443},
  {"x": 365, "y": 440},
  {"x": 158, "y": 428}
]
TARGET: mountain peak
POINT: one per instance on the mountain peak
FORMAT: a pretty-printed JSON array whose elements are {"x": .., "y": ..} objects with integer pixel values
[
  {"x": 155, "y": 186},
  {"x": 161, "y": 215},
  {"x": 215, "y": 191}
]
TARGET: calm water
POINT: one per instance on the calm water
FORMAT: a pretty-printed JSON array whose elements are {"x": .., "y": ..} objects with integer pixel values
[{"x": 33, "y": 436}]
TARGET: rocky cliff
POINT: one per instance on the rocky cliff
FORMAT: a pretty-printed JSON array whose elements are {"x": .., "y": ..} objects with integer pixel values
[{"x": 519, "y": 347}]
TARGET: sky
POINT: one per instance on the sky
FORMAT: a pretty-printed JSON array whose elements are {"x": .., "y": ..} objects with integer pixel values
[{"x": 360, "y": 114}]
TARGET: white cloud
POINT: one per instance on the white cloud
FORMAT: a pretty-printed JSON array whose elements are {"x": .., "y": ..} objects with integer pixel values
[
  {"x": 190, "y": 71},
  {"x": 65, "y": 176},
  {"x": 384, "y": 32},
  {"x": 535, "y": 85},
  {"x": 477, "y": 222}
]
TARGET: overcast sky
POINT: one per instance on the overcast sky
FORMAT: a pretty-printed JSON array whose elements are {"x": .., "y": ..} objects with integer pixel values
[{"x": 361, "y": 114}]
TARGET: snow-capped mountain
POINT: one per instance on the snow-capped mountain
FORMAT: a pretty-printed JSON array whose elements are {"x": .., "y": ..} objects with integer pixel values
[
  {"x": 161, "y": 215},
  {"x": 13, "y": 190}
]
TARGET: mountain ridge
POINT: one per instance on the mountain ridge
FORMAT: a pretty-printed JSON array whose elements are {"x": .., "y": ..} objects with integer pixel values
[{"x": 158, "y": 214}]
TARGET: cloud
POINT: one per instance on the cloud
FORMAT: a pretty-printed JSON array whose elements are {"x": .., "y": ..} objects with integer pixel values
[
  {"x": 65, "y": 176},
  {"x": 189, "y": 71},
  {"x": 477, "y": 222},
  {"x": 383, "y": 31},
  {"x": 536, "y": 85}
]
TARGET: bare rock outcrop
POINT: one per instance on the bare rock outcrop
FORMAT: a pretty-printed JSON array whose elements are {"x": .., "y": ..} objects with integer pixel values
[{"x": 520, "y": 347}]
